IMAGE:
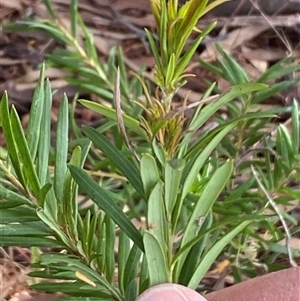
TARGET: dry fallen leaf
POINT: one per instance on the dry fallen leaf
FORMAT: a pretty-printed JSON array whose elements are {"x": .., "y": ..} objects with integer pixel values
[{"x": 234, "y": 39}]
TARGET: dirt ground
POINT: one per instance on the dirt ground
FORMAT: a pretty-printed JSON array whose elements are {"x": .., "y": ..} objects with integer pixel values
[{"x": 255, "y": 39}]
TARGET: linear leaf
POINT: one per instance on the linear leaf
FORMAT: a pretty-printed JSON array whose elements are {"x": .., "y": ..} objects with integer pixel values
[
  {"x": 131, "y": 268},
  {"x": 44, "y": 146},
  {"x": 61, "y": 150},
  {"x": 12, "y": 198},
  {"x": 149, "y": 173},
  {"x": 156, "y": 217},
  {"x": 156, "y": 260},
  {"x": 109, "y": 249},
  {"x": 173, "y": 172},
  {"x": 209, "y": 195},
  {"x": 33, "y": 229},
  {"x": 10, "y": 139},
  {"x": 116, "y": 156},
  {"x": 210, "y": 109},
  {"x": 190, "y": 175},
  {"x": 104, "y": 201},
  {"x": 18, "y": 215},
  {"x": 28, "y": 241},
  {"x": 213, "y": 253},
  {"x": 123, "y": 252},
  {"x": 28, "y": 165},
  {"x": 295, "y": 127},
  {"x": 35, "y": 117},
  {"x": 110, "y": 113}
]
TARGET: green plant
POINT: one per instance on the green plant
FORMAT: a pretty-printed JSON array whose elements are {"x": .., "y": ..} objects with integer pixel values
[
  {"x": 270, "y": 150},
  {"x": 180, "y": 187}
]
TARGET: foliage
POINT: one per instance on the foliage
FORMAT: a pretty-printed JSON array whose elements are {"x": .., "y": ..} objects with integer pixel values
[
  {"x": 269, "y": 152},
  {"x": 161, "y": 168}
]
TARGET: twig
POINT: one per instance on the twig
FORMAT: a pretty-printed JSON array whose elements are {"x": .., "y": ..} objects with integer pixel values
[
  {"x": 117, "y": 103},
  {"x": 247, "y": 154},
  {"x": 277, "y": 210},
  {"x": 284, "y": 41},
  {"x": 238, "y": 21},
  {"x": 139, "y": 32}
]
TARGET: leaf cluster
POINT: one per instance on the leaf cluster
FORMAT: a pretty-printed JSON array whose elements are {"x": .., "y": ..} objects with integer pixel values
[
  {"x": 272, "y": 151},
  {"x": 196, "y": 192}
]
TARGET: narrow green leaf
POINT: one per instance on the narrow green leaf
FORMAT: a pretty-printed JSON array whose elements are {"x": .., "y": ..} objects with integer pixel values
[
  {"x": 32, "y": 229},
  {"x": 131, "y": 268},
  {"x": 237, "y": 73},
  {"x": 92, "y": 234},
  {"x": 73, "y": 17},
  {"x": 35, "y": 117},
  {"x": 149, "y": 173},
  {"x": 123, "y": 252},
  {"x": 101, "y": 246},
  {"x": 18, "y": 215},
  {"x": 61, "y": 149},
  {"x": 28, "y": 241},
  {"x": 171, "y": 67},
  {"x": 10, "y": 139},
  {"x": 195, "y": 254},
  {"x": 86, "y": 85},
  {"x": 44, "y": 146},
  {"x": 72, "y": 288},
  {"x": 103, "y": 200},
  {"x": 52, "y": 30},
  {"x": 131, "y": 291},
  {"x": 28, "y": 166},
  {"x": 86, "y": 233},
  {"x": 48, "y": 220},
  {"x": 210, "y": 109},
  {"x": 110, "y": 113},
  {"x": 144, "y": 275},
  {"x": 295, "y": 127},
  {"x": 209, "y": 195},
  {"x": 213, "y": 253},
  {"x": 280, "y": 69},
  {"x": 51, "y": 260},
  {"x": 211, "y": 67},
  {"x": 156, "y": 215},
  {"x": 70, "y": 202},
  {"x": 273, "y": 89},
  {"x": 191, "y": 51},
  {"x": 116, "y": 156},
  {"x": 190, "y": 174},
  {"x": 173, "y": 172},
  {"x": 156, "y": 260},
  {"x": 109, "y": 249},
  {"x": 12, "y": 198},
  {"x": 153, "y": 48}
]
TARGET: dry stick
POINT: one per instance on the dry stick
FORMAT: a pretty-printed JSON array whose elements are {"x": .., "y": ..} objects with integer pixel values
[
  {"x": 237, "y": 21},
  {"x": 139, "y": 32},
  {"x": 277, "y": 210},
  {"x": 117, "y": 103},
  {"x": 285, "y": 43},
  {"x": 251, "y": 150}
]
